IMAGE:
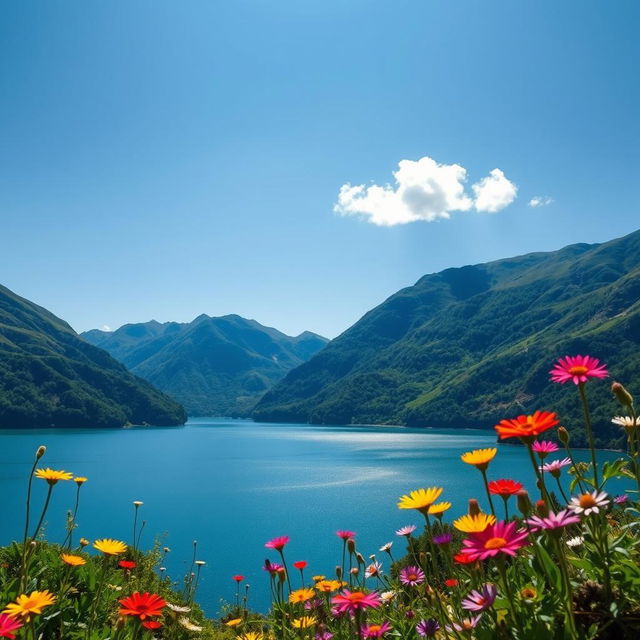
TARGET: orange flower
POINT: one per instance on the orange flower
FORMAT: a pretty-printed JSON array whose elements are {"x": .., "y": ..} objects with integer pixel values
[
  {"x": 73, "y": 561},
  {"x": 527, "y": 427},
  {"x": 142, "y": 605}
]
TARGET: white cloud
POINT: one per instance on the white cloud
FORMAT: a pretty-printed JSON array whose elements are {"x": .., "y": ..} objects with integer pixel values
[
  {"x": 425, "y": 190},
  {"x": 105, "y": 327},
  {"x": 540, "y": 201}
]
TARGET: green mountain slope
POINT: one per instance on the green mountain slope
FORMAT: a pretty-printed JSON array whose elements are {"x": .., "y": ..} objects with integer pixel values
[
  {"x": 50, "y": 377},
  {"x": 214, "y": 366},
  {"x": 467, "y": 347}
]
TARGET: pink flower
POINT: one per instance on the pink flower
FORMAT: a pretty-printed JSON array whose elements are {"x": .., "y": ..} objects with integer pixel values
[
  {"x": 480, "y": 600},
  {"x": 468, "y": 624},
  {"x": 577, "y": 368},
  {"x": 278, "y": 543},
  {"x": 272, "y": 567},
  {"x": 8, "y": 625},
  {"x": 553, "y": 520},
  {"x": 345, "y": 535},
  {"x": 500, "y": 537},
  {"x": 406, "y": 531},
  {"x": 412, "y": 576},
  {"x": 375, "y": 630},
  {"x": 544, "y": 447},
  {"x": 351, "y": 601},
  {"x": 555, "y": 466}
]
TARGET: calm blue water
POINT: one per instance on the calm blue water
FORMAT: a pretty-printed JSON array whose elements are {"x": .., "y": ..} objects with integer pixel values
[{"x": 233, "y": 485}]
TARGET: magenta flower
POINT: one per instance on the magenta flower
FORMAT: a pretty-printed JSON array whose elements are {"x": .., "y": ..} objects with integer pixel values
[
  {"x": 555, "y": 466},
  {"x": 544, "y": 447},
  {"x": 428, "y": 628},
  {"x": 352, "y": 601},
  {"x": 375, "y": 630},
  {"x": 345, "y": 535},
  {"x": 468, "y": 624},
  {"x": 553, "y": 520},
  {"x": 406, "y": 531},
  {"x": 480, "y": 600},
  {"x": 500, "y": 537},
  {"x": 323, "y": 635},
  {"x": 444, "y": 538},
  {"x": 412, "y": 576},
  {"x": 278, "y": 543},
  {"x": 272, "y": 567},
  {"x": 621, "y": 499},
  {"x": 578, "y": 369},
  {"x": 8, "y": 625}
]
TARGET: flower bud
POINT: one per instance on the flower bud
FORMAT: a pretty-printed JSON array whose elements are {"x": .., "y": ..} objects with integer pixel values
[
  {"x": 622, "y": 395},
  {"x": 282, "y": 575},
  {"x": 474, "y": 507},
  {"x": 354, "y": 571},
  {"x": 40, "y": 452},
  {"x": 524, "y": 504},
  {"x": 563, "y": 436},
  {"x": 83, "y": 542},
  {"x": 542, "y": 509},
  {"x": 423, "y": 558},
  {"x": 359, "y": 558},
  {"x": 339, "y": 572},
  {"x": 351, "y": 545}
]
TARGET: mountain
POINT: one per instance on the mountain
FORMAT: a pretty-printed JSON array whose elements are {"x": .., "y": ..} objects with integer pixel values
[
  {"x": 469, "y": 346},
  {"x": 214, "y": 366},
  {"x": 51, "y": 377}
]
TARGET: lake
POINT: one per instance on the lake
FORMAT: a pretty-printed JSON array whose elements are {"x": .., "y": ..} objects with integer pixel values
[{"x": 232, "y": 485}]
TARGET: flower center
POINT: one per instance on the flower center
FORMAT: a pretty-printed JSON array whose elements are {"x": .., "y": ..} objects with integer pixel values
[
  {"x": 578, "y": 370},
  {"x": 495, "y": 543},
  {"x": 29, "y": 604},
  {"x": 374, "y": 628},
  {"x": 412, "y": 576},
  {"x": 587, "y": 501},
  {"x": 356, "y": 596}
]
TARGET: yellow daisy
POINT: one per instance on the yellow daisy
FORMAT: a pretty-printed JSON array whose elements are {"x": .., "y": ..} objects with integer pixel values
[
  {"x": 52, "y": 476},
  {"x": 110, "y": 547},
  {"x": 27, "y": 606},
  {"x": 73, "y": 561},
  {"x": 301, "y": 595},
  {"x": 420, "y": 499},
  {"x": 474, "y": 524},
  {"x": 479, "y": 458},
  {"x": 233, "y": 623},
  {"x": 80, "y": 480},
  {"x": 303, "y": 623},
  {"x": 252, "y": 635},
  {"x": 439, "y": 508},
  {"x": 318, "y": 578},
  {"x": 327, "y": 586}
]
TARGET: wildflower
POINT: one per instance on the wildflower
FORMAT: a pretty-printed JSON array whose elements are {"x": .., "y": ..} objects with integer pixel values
[
  {"x": 451, "y": 582},
  {"x": 152, "y": 624},
  {"x": 52, "y": 476},
  {"x": 474, "y": 523},
  {"x": 428, "y": 628},
  {"x": 127, "y": 564},
  {"x": 501, "y": 537},
  {"x": 555, "y": 466},
  {"x": 237, "y": 578},
  {"x": 387, "y": 596},
  {"x": 351, "y": 601},
  {"x": 138, "y": 503},
  {"x": 72, "y": 561},
  {"x": 544, "y": 447},
  {"x": 278, "y": 543},
  {"x": 627, "y": 422},
  {"x": 576, "y": 541},
  {"x": 83, "y": 542},
  {"x": 553, "y": 521},
  {"x": 8, "y": 625},
  {"x": 272, "y": 567},
  {"x": 589, "y": 503},
  {"x": 439, "y": 508},
  {"x": 142, "y": 605},
  {"x": 200, "y": 563},
  {"x": 80, "y": 480},
  {"x": 177, "y": 608},
  {"x": 301, "y": 595},
  {"x": 188, "y": 625},
  {"x": 303, "y": 623},
  {"x": 345, "y": 535},
  {"x": 442, "y": 539},
  {"x": 412, "y": 576},
  {"x": 479, "y": 458},
  {"x": 528, "y": 594},
  {"x": 373, "y": 570},
  {"x": 300, "y": 564},
  {"x": 234, "y": 622},
  {"x": 375, "y": 630},
  {"x": 30, "y": 605},
  {"x": 480, "y": 600},
  {"x": 327, "y": 586},
  {"x": 578, "y": 369},
  {"x": 463, "y": 558},
  {"x": 324, "y": 635},
  {"x": 110, "y": 547},
  {"x": 252, "y": 635},
  {"x": 468, "y": 624},
  {"x": 621, "y": 499},
  {"x": 406, "y": 531},
  {"x": 504, "y": 487},
  {"x": 386, "y": 546},
  {"x": 527, "y": 427},
  {"x": 420, "y": 499}
]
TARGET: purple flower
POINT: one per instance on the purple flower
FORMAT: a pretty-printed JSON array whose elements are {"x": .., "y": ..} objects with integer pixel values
[
  {"x": 621, "y": 499},
  {"x": 412, "y": 576},
  {"x": 480, "y": 600},
  {"x": 324, "y": 635},
  {"x": 427, "y": 628},
  {"x": 444, "y": 538},
  {"x": 553, "y": 520}
]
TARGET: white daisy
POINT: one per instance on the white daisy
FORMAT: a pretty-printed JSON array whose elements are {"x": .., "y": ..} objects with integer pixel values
[
  {"x": 626, "y": 421},
  {"x": 576, "y": 541},
  {"x": 589, "y": 503}
]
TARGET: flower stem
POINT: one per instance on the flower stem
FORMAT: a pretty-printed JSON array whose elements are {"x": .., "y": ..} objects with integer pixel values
[
  {"x": 587, "y": 420},
  {"x": 486, "y": 487}
]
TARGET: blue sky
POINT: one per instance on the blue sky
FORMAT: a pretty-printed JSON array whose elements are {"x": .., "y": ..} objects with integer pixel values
[{"x": 166, "y": 159}]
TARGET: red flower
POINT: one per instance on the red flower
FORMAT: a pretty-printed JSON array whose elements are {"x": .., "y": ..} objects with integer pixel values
[
  {"x": 142, "y": 605},
  {"x": 277, "y": 543},
  {"x": 8, "y": 625},
  {"x": 463, "y": 558},
  {"x": 345, "y": 535},
  {"x": 504, "y": 487},
  {"x": 300, "y": 564},
  {"x": 127, "y": 564},
  {"x": 527, "y": 426},
  {"x": 151, "y": 624},
  {"x": 451, "y": 582},
  {"x": 237, "y": 578}
]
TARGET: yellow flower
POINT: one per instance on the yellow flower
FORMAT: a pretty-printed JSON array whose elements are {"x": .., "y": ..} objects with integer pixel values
[
  {"x": 420, "y": 499},
  {"x": 439, "y": 509},
  {"x": 73, "y": 561},
  {"x": 301, "y": 595},
  {"x": 479, "y": 458},
  {"x": 233, "y": 623},
  {"x": 474, "y": 524},
  {"x": 252, "y": 635},
  {"x": 27, "y": 605},
  {"x": 110, "y": 547},
  {"x": 52, "y": 476},
  {"x": 318, "y": 578},
  {"x": 327, "y": 586},
  {"x": 303, "y": 623},
  {"x": 80, "y": 480}
]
